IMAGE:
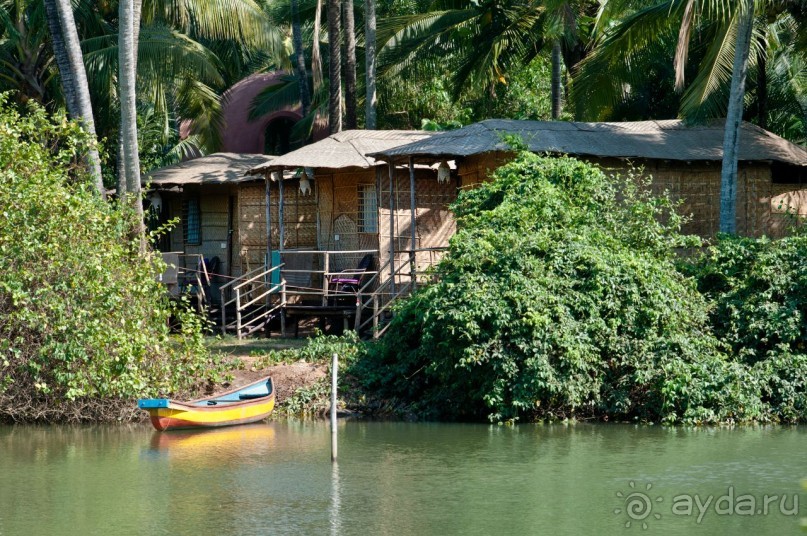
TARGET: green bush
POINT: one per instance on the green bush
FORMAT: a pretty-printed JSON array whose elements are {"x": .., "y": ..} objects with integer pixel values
[
  {"x": 562, "y": 296},
  {"x": 559, "y": 297},
  {"x": 759, "y": 290},
  {"x": 82, "y": 316}
]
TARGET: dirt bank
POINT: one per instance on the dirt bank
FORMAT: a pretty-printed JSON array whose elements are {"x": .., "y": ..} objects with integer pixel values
[
  {"x": 287, "y": 377},
  {"x": 247, "y": 356}
]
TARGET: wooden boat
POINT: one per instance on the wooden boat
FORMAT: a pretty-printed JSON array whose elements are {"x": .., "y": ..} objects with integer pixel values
[{"x": 246, "y": 404}]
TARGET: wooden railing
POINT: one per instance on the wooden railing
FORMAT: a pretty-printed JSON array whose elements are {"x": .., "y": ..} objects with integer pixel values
[
  {"x": 377, "y": 296},
  {"x": 322, "y": 288},
  {"x": 254, "y": 297}
]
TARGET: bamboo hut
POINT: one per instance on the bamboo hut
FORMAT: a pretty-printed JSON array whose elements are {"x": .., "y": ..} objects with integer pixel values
[
  {"x": 219, "y": 212},
  {"x": 362, "y": 207},
  {"x": 682, "y": 160}
]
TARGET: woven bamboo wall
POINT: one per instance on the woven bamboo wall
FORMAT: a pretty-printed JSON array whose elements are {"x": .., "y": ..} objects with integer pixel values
[
  {"x": 434, "y": 223},
  {"x": 339, "y": 214},
  {"x": 476, "y": 169},
  {"x": 300, "y": 221},
  {"x": 173, "y": 201},
  {"x": 697, "y": 185}
]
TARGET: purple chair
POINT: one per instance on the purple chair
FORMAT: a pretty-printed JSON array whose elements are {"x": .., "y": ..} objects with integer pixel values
[{"x": 349, "y": 281}]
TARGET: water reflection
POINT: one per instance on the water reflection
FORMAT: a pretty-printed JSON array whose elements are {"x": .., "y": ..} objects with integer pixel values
[
  {"x": 336, "y": 501},
  {"x": 215, "y": 446},
  {"x": 392, "y": 478}
]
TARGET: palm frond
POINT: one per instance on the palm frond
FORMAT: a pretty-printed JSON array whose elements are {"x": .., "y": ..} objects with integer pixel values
[
  {"x": 201, "y": 104},
  {"x": 682, "y": 48},
  {"x": 602, "y": 79},
  {"x": 162, "y": 53},
  {"x": 241, "y": 20},
  {"x": 714, "y": 73},
  {"x": 284, "y": 94}
]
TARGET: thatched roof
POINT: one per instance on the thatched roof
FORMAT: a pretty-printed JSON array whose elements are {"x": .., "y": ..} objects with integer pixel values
[
  {"x": 343, "y": 150},
  {"x": 217, "y": 168},
  {"x": 661, "y": 140}
]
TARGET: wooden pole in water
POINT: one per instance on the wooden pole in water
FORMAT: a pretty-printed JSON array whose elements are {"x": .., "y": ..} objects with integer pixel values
[{"x": 334, "y": 369}]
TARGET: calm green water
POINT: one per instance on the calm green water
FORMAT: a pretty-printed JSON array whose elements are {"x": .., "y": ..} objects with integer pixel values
[{"x": 398, "y": 478}]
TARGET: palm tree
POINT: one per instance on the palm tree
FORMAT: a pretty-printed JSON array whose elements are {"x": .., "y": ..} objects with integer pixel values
[
  {"x": 26, "y": 65},
  {"x": 334, "y": 68},
  {"x": 370, "y": 64},
  {"x": 734, "y": 117},
  {"x": 299, "y": 57},
  {"x": 478, "y": 43},
  {"x": 316, "y": 59},
  {"x": 725, "y": 28},
  {"x": 570, "y": 41},
  {"x": 350, "y": 64},
  {"x": 67, "y": 50},
  {"x": 557, "y": 82},
  {"x": 472, "y": 43},
  {"x": 128, "y": 108}
]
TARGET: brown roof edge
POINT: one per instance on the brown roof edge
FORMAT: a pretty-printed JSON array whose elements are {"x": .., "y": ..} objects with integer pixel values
[{"x": 656, "y": 140}]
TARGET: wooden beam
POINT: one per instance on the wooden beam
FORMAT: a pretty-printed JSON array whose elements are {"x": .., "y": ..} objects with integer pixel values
[
  {"x": 268, "y": 177},
  {"x": 412, "y": 220},
  {"x": 281, "y": 214},
  {"x": 392, "y": 224}
]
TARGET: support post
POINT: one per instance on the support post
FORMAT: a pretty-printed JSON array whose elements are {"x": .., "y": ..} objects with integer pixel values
[
  {"x": 269, "y": 220},
  {"x": 412, "y": 222},
  {"x": 375, "y": 316},
  {"x": 283, "y": 308},
  {"x": 359, "y": 307},
  {"x": 238, "y": 312},
  {"x": 392, "y": 225},
  {"x": 334, "y": 370},
  {"x": 281, "y": 216},
  {"x": 223, "y": 314},
  {"x": 325, "y": 277}
]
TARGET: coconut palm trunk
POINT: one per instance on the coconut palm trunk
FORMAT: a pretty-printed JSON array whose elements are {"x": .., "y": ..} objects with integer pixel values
[
  {"x": 122, "y": 184},
  {"x": 299, "y": 57},
  {"x": 557, "y": 82},
  {"x": 370, "y": 64},
  {"x": 128, "y": 107},
  {"x": 734, "y": 116},
  {"x": 316, "y": 57},
  {"x": 334, "y": 68},
  {"x": 70, "y": 61},
  {"x": 350, "y": 64}
]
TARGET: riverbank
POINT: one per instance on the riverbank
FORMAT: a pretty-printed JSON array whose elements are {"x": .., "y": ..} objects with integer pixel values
[{"x": 298, "y": 382}]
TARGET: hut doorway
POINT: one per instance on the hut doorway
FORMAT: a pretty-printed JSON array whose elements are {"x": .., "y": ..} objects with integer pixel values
[{"x": 277, "y": 136}]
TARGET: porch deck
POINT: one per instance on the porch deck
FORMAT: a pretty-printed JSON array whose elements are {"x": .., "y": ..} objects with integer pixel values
[{"x": 357, "y": 295}]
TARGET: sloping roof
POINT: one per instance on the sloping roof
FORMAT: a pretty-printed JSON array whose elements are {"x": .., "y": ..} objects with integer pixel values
[
  {"x": 217, "y": 168},
  {"x": 344, "y": 149},
  {"x": 663, "y": 140}
]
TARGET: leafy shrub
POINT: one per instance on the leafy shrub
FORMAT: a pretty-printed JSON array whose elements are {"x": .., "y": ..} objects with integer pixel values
[
  {"x": 559, "y": 297},
  {"x": 759, "y": 288},
  {"x": 82, "y": 316}
]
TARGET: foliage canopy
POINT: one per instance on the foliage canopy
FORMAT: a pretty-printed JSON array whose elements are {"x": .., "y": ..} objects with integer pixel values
[
  {"x": 560, "y": 297},
  {"x": 82, "y": 315}
]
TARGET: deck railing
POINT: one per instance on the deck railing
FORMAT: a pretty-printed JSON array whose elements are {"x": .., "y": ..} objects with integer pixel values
[
  {"x": 255, "y": 297},
  {"x": 320, "y": 287},
  {"x": 378, "y": 294}
]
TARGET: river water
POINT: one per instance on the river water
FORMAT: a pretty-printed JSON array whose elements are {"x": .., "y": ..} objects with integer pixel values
[{"x": 402, "y": 478}]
